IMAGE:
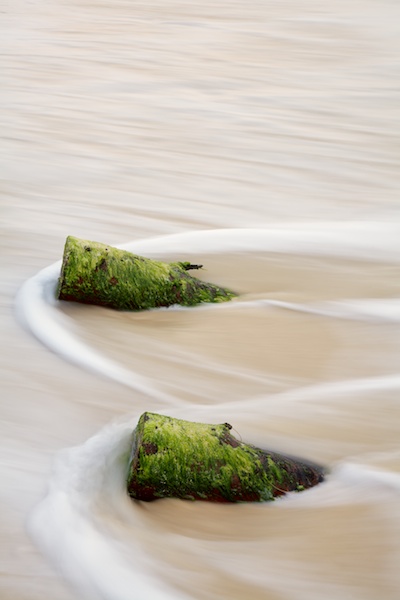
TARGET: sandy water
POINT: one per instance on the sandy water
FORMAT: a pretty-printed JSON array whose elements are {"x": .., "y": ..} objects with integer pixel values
[{"x": 261, "y": 141}]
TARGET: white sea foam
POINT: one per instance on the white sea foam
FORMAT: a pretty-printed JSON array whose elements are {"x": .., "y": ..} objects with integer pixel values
[
  {"x": 39, "y": 311},
  {"x": 360, "y": 475},
  {"x": 89, "y": 528},
  {"x": 125, "y": 120},
  {"x": 352, "y": 240},
  {"x": 373, "y": 310},
  {"x": 71, "y": 530},
  {"x": 93, "y": 533}
]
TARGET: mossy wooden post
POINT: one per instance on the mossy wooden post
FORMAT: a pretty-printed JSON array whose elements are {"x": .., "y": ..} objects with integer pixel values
[
  {"x": 176, "y": 458},
  {"x": 94, "y": 273}
]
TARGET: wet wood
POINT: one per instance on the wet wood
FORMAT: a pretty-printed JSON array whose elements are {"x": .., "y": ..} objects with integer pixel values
[
  {"x": 94, "y": 273},
  {"x": 197, "y": 461}
]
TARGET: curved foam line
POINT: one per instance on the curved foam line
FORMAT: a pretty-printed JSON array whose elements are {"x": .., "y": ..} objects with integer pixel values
[
  {"x": 387, "y": 310},
  {"x": 354, "y": 240},
  {"x": 65, "y": 525},
  {"x": 37, "y": 307},
  {"x": 311, "y": 397},
  {"x": 356, "y": 473}
]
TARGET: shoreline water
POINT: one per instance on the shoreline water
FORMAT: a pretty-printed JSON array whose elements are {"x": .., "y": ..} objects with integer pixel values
[{"x": 152, "y": 126}]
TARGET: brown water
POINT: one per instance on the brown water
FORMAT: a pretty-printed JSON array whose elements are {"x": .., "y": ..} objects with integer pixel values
[{"x": 261, "y": 140}]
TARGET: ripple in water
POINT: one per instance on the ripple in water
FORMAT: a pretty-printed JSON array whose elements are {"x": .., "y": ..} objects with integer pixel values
[{"x": 327, "y": 538}]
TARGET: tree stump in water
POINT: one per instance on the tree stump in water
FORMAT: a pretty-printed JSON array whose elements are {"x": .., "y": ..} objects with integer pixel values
[
  {"x": 94, "y": 273},
  {"x": 180, "y": 459}
]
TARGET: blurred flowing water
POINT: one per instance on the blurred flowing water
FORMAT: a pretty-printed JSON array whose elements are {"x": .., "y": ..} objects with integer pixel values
[{"x": 261, "y": 140}]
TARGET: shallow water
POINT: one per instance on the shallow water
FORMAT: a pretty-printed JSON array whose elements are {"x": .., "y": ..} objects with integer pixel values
[{"x": 259, "y": 140}]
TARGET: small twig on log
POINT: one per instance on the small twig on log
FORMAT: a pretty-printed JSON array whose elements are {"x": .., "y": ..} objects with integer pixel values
[{"x": 188, "y": 266}]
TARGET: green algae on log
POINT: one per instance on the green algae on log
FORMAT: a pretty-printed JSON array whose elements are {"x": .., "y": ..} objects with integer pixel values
[
  {"x": 94, "y": 273},
  {"x": 180, "y": 459}
]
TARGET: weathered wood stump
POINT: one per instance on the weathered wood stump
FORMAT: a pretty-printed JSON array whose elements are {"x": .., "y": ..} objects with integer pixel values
[
  {"x": 180, "y": 459},
  {"x": 94, "y": 273}
]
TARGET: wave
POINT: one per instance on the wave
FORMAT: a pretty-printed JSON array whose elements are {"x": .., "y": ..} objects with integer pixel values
[
  {"x": 100, "y": 539},
  {"x": 71, "y": 531},
  {"x": 40, "y": 312}
]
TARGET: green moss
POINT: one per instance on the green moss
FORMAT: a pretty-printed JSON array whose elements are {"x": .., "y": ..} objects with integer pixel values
[
  {"x": 176, "y": 458},
  {"x": 194, "y": 460},
  {"x": 95, "y": 273}
]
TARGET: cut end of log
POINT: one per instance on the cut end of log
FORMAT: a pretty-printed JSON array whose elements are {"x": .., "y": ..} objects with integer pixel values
[{"x": 197, "y": 461}]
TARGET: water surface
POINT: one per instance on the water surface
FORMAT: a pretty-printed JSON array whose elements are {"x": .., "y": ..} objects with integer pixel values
[{"x": 261, "y": 141}]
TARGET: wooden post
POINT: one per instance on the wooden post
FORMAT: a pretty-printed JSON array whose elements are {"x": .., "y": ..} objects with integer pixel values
[
  {"x": 95, "y": 273},
  {"x": 176, "y": 458}
]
